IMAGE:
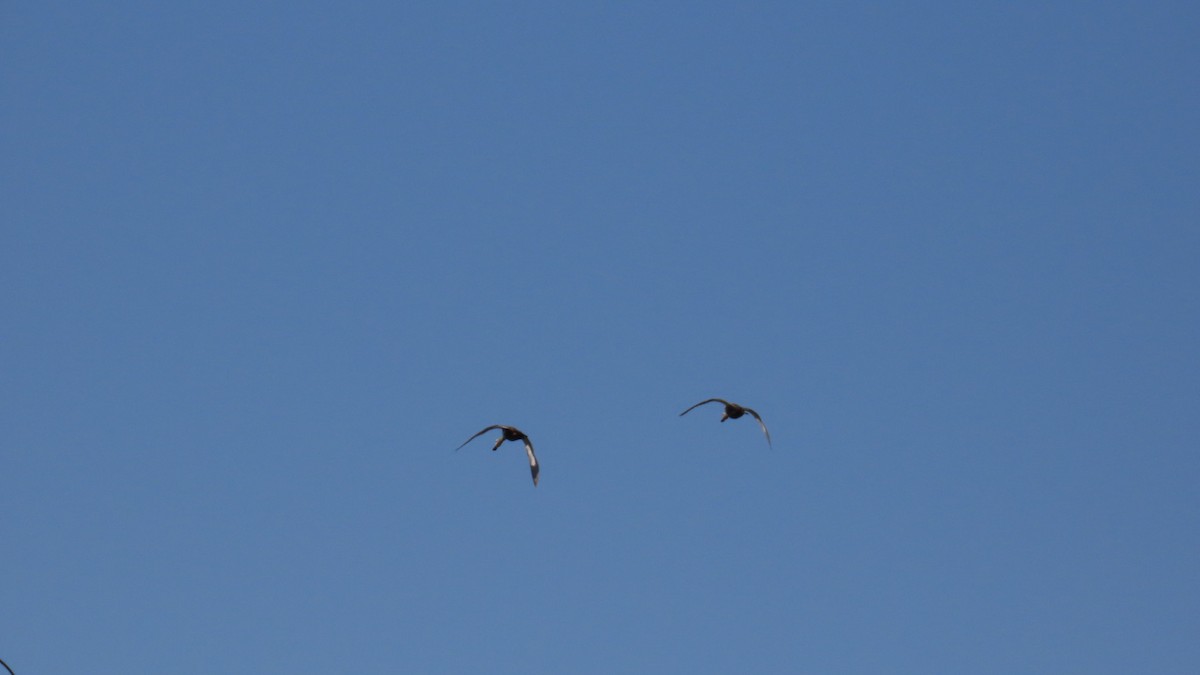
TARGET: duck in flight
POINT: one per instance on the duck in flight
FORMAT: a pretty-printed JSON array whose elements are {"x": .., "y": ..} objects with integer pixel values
[
  {"x": 510, "y": 434},
  {"x": 733, "y": 411}
]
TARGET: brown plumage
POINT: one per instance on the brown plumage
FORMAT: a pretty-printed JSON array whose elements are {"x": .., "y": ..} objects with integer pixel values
[
  {"x": 733, "y": 411},
  {"x": 510, "y": 434}
]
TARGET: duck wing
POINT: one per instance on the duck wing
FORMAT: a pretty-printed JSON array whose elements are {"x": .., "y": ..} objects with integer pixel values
[
  {"x": 761, "y": 424},
  {"x": 711, "y": 400},
  {"x": 485, "y": 430},
  {"x": 533, "y": 463}
]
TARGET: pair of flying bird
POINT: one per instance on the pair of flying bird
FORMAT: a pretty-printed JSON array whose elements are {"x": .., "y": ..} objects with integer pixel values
[{"x": 732, "y": 411}]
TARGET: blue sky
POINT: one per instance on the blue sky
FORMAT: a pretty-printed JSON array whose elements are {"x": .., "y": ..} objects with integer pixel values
[{"x": 266, "y": 264}]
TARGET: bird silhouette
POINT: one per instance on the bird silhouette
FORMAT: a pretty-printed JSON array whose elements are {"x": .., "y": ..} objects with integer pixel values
[
  {"x": 510, "y": 434},
  {"x": 733, "y": 411}
]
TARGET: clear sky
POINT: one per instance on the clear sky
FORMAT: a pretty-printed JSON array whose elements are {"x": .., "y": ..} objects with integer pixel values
[{"x": 263, "y": 265}]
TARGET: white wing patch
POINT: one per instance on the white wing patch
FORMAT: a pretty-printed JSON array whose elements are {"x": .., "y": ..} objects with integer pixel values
[{"x": 533, "y": 463}]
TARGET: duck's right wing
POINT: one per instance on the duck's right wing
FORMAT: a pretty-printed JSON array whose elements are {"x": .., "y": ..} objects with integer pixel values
[
  {"x": 485, "y": 430},
  {"x": 711, "y": 400}
]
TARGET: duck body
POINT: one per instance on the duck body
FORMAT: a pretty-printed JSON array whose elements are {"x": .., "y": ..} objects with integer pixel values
[{"x": 732, "y": 412}]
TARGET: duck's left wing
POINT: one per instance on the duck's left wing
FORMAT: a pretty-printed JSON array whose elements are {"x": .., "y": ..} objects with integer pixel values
[
  {"x": 533, "y": 463},
  {"x": 761, "y": 424}
]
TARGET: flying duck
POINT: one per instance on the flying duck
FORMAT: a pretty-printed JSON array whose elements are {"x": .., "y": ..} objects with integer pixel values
[
  {"x": 733, "y": 411},
  {"x": 511, "y": 434}
]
